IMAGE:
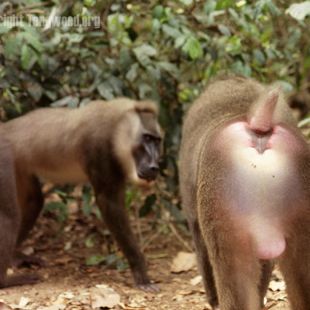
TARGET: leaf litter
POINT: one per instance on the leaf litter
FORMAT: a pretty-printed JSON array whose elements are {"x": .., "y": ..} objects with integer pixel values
[{"x": 69, "y": 284}]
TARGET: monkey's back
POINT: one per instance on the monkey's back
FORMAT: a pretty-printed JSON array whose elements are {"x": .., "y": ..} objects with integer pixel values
[
  {"x": 229, "y": 97},
  {"x": 224, "y": 99},
  {"x": 47, "y": 139}
]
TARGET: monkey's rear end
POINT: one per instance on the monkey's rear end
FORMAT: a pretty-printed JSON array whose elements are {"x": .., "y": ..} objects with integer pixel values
[{"x": 245, "y": 188}]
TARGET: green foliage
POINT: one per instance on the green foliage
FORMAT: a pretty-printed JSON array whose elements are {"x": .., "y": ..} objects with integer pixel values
[
  {"x": 109, "y": 260},
  {"x": 95, "y": 260},
  {"x": 164, "y": 50},
  {"x": 59, "y": 208},
  {"x": 299, "y": 10}
]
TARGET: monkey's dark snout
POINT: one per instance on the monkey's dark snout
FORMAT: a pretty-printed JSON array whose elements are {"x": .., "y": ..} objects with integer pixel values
[
  {"x": 150, "y": 173},
  {"x": 154, "y": 168}
]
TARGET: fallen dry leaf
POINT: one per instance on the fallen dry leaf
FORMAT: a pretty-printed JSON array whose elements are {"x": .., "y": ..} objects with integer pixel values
[
  {"x": 280, "y": 296},
  {"x": 186, "y": 292},
  {"x": 65, "y": 259},
  {"x": 54, "y": 197},
  {"x": 23, "y": 302},
  {"x": 277, "y": 286},
  {"x": 104, "y": 296},
  {"x": 73, "y": 207},
  {"x": 130, "y": 307},
  {"x": 184, "y": 261},
  {"x": 178, "y": 298},
  {"x": 196, "y": 280},
  {"x": 53, "y": 307},
  {"x": 28, "y": 250},
  {"x": 60, "y": 302}
]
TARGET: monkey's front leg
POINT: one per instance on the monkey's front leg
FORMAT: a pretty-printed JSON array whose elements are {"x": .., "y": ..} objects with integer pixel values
[{"x": 111, "y": 205}]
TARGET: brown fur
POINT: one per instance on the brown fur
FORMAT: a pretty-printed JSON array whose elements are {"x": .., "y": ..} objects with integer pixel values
[
  {"x": 94, "y": 143},
  {"x": 232, "y": 278},
  {"x": 9, "y": 218}
]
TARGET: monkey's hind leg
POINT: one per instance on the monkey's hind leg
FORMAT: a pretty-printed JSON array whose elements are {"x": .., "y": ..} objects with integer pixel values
[
  {"x": 204, "y": 264},
  {"x": 31, "y": 201},
  {"x": 237, "y": 272},
  {"x": 7, "y": 246},
  {"x": 9, "y": 223},
  {"x": 295, "y": 266}
]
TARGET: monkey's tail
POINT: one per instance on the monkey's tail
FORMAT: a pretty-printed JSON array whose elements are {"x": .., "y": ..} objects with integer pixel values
[{"x": 262, "y": 116}]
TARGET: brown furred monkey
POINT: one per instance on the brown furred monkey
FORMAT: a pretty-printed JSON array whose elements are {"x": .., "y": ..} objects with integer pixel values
[
  {"x": 105, "y": 143},
  {"x": 245, "y": 186},
  {"x": 9, "y": 218}
]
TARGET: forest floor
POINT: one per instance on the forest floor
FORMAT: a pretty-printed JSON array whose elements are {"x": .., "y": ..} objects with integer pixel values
[{"x": 69, "y": 284}]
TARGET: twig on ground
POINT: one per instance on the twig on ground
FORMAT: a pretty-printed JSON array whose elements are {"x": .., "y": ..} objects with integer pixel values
[{"x": 179, "y": 237}]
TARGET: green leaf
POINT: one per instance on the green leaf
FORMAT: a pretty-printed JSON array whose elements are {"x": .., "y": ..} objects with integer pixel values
[
  {"x": 240, "y": 68},
  {"x": 115, "y": 260},
  {"x": 171, "y": 31},
  {"x": 158, "y": 11},
  {"x": 186, "y": 2},
  {"x": 89, "y": 3},
  {"x": 169, "y": 67},
  {"x": 224, "y": 4},
  {"x": 75, "y": 37},
  {"x": 144, "y": 52},
  {"x": 59, "y": 208},
  {"x": 32, "y": 40},
  {"x": 147, "y": 206},
  {"x": 35, "y": 90},
  {"x": 130, "y": 196},
  {"x": 193, "y": 48},
  {"x": 105, "y": 90},
  {"x": 233, "y": 45},
  {"x": 144, "y": 90},
  {"x": 132, "y": 72},
  {"x": 145, "y": 49},
  {"x": 121, "y": 265},
  {"x": 224, "y": 30},
  {"x": 12, "y": 47},
  {"x": 68, "y": 101},
  {"x": 5, "y": 27},
  {"x": 90, "y": 242},
  {"x": 27, "y": 27},
  {"x": 259, "y": 56},
  {"x": 28, "y": 57},
  {"x": 209, "y": 6},
  {"x": 299, "y": 11},
  {"x": 95, "y": 260},
  {"x": 87, "y": 207},
  {"x": 180, "y": 40}
]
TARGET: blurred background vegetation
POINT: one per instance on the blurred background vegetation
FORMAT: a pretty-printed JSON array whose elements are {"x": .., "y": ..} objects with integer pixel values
[{"x": 164, "y": 50}]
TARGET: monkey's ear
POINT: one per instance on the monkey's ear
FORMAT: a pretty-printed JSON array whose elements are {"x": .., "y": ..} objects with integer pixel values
[
  {"x": 146, "y": 106},
  {"x": 261, "y": 117}
]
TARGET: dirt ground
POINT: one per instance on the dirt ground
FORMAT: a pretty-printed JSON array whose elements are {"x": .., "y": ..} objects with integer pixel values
[{"x": 68, "y": 283}]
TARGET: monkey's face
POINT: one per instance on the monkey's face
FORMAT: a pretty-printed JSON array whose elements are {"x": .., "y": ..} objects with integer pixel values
[{"x": 146, "y": 155}]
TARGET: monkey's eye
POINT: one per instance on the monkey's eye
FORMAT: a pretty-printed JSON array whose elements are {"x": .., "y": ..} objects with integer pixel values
[{"x": 148, "y": 138}]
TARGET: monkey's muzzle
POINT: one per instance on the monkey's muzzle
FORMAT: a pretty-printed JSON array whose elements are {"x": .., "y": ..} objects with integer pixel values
[{"x": 150, "y": 174}]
